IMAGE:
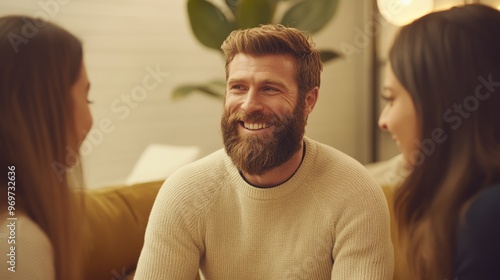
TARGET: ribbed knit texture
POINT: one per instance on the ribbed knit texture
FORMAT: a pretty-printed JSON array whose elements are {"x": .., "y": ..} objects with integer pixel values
[
  {"x": 329, "y": 221},
  {"x": 34, "y": 254}
]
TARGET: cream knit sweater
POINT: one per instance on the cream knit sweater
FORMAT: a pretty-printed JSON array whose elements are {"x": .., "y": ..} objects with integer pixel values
[
  {"x": 33, "y": 257},
  {"x": 329, "y": 221}
]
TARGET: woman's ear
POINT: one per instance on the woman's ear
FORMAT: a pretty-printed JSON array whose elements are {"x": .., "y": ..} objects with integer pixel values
[{"x": 311, "y": 98}]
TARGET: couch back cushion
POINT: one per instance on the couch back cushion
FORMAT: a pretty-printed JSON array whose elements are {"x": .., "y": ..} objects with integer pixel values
[{"x": 114, "y": 225}]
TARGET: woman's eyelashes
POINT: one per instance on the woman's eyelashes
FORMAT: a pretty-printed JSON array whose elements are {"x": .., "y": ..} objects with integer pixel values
[{"x": 387, "y": 99}]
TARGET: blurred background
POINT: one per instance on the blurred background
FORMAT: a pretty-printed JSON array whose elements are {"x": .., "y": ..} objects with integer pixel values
[{"x": 139, "y": 52}]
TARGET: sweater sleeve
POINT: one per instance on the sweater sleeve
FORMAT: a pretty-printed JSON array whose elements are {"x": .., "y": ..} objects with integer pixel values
[
  {"x": 33, "y": 254},
  {"x": 478, "y": 250},
  {"x": 363, "y": 248},
  {"x": 172, "y": 247}
]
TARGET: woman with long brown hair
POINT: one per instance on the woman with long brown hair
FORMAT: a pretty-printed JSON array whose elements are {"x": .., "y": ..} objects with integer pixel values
[
  {"x": 443, "y": 110},
  {"x": 44, "y": 118}
]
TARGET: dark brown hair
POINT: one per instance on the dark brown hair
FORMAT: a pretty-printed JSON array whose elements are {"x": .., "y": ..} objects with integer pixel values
[
  {"x": 443, "y": 59},
  {"x": 278, "y": 39},
  {"x": 40, "y": 62}
]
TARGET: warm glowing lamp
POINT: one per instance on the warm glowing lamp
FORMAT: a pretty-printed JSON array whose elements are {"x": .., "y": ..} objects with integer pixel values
[
  {"x": 492, "y": 3},
  {"x": 401, "y": 12}
]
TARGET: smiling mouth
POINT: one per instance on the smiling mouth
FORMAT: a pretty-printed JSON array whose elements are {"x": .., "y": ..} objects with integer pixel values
[{"x": 254, "y": 126}]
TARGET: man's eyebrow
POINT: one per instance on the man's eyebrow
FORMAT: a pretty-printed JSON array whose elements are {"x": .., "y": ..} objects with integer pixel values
[
  {"x": 264, "y": 82},
  {"x": 274, "y": 82},
  {"x": 235, "y": 80}
]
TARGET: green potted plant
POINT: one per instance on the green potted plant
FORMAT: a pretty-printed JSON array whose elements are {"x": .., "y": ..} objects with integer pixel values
[{"x": 212, "y": 24}]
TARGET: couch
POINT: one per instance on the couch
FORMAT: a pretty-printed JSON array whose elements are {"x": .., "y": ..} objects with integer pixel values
[
  {"x": 114, "y": 226},
  {"x": 117, "y": 218}
]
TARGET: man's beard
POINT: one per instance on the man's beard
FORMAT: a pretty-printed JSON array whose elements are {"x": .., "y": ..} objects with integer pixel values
[{"x": 257, "y": 154}]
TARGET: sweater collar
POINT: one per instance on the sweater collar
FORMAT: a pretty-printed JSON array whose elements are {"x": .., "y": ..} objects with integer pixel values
[{"x": 298, "y": 179}]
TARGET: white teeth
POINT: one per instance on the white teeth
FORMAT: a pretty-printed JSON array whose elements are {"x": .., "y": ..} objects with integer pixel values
[{"x": 255, "y": 126}]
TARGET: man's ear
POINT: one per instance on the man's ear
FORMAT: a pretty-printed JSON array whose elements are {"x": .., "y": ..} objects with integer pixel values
[{"x": 311, "y": 98}]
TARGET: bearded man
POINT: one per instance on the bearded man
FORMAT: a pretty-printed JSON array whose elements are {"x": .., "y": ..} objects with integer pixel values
[{"x": 273, "y": 204}]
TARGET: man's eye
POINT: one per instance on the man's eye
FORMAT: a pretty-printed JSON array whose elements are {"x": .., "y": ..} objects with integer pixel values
[
  {"x": 270, "y": 89},
  {"x": 237, "y": 87}
]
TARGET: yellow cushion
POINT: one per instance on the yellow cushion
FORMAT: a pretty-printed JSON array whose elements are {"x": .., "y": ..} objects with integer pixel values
[
  {"x": 401, "y": 271},
  {"x": 114, "y": 227}
]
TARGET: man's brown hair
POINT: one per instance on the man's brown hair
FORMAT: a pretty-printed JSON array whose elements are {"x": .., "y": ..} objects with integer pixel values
[{"x": 278, "y": 39}]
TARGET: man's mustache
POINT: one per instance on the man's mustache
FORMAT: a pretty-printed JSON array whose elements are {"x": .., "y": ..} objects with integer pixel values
[{"x": 255, "y": 117}]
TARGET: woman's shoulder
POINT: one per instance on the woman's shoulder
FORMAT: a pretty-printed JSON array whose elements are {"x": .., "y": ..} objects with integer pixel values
[
  {"x": 25, "y": 248},
  {"x": 478, "y": 244},
  {"x": 486, "y": 203},
  {"x": 481, "y": 218}
]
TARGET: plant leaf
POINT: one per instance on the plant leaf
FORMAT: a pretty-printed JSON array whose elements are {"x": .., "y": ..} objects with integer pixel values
[
  {"x": 327, "y": 55},
  {"x": 215, "y": 88},
  {"x": 310, "y": 15},
  {"x": 232, "y": 4},
  {"x": 209, "y": 25},
  {"x": 251, "y": 13}
]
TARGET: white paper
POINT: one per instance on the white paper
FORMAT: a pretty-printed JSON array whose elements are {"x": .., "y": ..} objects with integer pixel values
[{"x": 158, "y": 161}]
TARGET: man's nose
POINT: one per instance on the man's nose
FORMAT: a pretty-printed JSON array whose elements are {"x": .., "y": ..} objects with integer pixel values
[{"x": 252, "y": 102}]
